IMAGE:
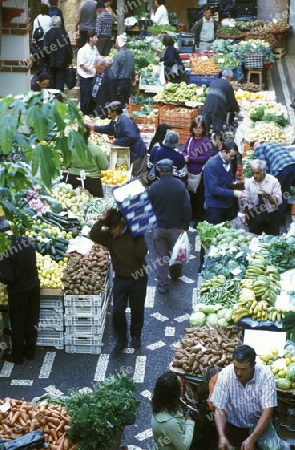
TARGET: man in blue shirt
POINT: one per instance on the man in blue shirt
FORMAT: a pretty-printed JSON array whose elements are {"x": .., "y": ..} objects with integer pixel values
[{"x": 281, "y": 165}]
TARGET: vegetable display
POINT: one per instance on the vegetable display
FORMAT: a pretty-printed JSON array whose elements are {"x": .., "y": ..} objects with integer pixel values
[
  {"x": 279, "y": 252},
  {"x": 180, "y": 93},
  {"x": 229, "y": 31},
  {"x": 205, "y": 346},
  {"x": 207, "y": 231},
  {"x": 86, "y": 274},
  {"x": 22, "y": 417}
]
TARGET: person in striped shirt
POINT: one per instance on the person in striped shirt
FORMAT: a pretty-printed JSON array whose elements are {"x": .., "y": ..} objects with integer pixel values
[{"x": 245, "y": 397}]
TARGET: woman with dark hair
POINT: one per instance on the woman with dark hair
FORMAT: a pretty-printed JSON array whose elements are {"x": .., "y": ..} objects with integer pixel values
[
  {"x": 40, "y": 81},
  {"x": 171, "y": 429},
  {"x": 159, "y": 136},
  {"x": 196, "y": 151},
  {"x": 86, "y": 172},
  {"x": 173, "y": 66},
  {"x": 160, "y": 17}
]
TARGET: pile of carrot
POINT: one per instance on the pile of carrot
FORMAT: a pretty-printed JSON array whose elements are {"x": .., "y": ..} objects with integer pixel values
[{"x": 18, "y": 417}]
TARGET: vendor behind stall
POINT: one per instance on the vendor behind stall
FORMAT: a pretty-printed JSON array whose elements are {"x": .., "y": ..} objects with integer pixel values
[{"x": 245, "y": 397}]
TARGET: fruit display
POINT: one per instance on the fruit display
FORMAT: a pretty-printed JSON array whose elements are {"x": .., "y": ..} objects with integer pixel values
[
  {"x": 246, "y": 98},
  {"x": 204, "y": 346},
  {"x": 218, "y": 290},
  {"x": 114, "y": 177},
  {"x": 260, "y": 288},
  {"x": 182, "y": 92},
  {"x": 270, "y": 132},
  {"x": 74, "y": 200},
  {"x": 283, "y": 368},
  {"x": 50, "y": 272},
  {"x": 3, "y": 294},
  {"x": 86, "y": 274}
]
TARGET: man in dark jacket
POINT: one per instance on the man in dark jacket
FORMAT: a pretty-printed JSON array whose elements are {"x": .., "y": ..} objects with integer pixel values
[
  {"x": 217, "y": 176},
  {"x": 171, "y": 204},
  {"x": 130, "y": 281},
  {"x": 126, "y": 134},
  {"x": 59, "y": 53},
  {"x": 103, "y": 89},
  {"x": 219, "y": 101},
  {"x": 18, "y": 271}
]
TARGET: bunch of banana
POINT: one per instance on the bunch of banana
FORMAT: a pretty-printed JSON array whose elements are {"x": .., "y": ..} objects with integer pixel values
[
  {"x": 275, "y": 314},
  {"x": 212, "y": 282}
]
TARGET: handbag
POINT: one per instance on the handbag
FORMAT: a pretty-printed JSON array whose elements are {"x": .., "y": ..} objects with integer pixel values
[
  {"x": 38, "y": 33},
  {"x": 71, "y": 77},
  {"x": 152, "y": 169},
  {"x": 181, "y": 250}
]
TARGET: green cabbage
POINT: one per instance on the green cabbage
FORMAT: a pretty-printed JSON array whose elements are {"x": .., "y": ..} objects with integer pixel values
[
  {"x": 212, "y": 320},
  {"x": 197, "y": 319}
]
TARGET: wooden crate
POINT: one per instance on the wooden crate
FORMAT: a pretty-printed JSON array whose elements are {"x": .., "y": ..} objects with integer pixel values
[
  {"x": 184, "y": 133},
  {"x": 177, "y": 116},
  {"x": 146, "y": 120}
]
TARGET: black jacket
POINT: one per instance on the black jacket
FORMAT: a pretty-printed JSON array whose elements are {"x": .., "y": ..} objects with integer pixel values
[
  {"x": 18, "y": 267},
  {"x": 107, "y": 93},
  {"x": 58, "y": 48}
]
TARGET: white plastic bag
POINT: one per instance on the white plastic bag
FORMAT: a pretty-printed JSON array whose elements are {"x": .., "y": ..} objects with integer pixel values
[{"x": 181, "y": 250}]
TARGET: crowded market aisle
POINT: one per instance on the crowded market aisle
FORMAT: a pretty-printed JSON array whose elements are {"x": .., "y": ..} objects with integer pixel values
[{"x": 166, "y": 316}]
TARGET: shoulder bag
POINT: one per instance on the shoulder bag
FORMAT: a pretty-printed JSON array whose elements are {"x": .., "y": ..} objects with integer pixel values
[
  {"x": 193, "y": 179},
  {"x": 38, "y": 33}
]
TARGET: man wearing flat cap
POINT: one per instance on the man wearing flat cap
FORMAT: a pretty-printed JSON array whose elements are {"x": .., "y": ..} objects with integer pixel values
[
  {"x": 171, "y": 204},
  {"x": 123, "y": 69},
  {"x": 128, "y": 257},
  {"x": 126, "y": 134},
  {"x": 104, "y": 27}
]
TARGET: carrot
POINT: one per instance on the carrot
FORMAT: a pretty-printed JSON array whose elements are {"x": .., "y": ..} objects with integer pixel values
[
  {"x": 61, "y": 444},
  {"x": 53, "y": 434},
  {"x": 54, "y": 420},
  {"x": 66, "y": 443},
  {"x": 60, "y": 426}
]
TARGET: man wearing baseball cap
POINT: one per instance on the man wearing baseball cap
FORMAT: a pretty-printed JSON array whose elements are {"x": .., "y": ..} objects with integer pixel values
[
  {"x": 123, "y": 69},
  {"x": 103, "y": 28}
]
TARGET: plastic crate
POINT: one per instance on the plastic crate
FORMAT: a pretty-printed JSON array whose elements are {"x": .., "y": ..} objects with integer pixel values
[
  {"x": 201, "y": 79},
  {"x": 48, "y": 337},
  {"x": 50, "y": 318},
  {"x": 83, "y": 327},
  {"x": 83, "y": 344},
  {"x": 80, "y": 305},
  {"x": 186, "y": 49},
  {"x": 177, "y": 116},
  {"x": 253, "y": 60},
  {"x": 51, "y": 299}
]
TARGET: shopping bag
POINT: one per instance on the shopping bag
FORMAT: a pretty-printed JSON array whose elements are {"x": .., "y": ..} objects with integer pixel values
[
  {"x": 181, "y": 250},
  {"x": 38, "y": 33},
  {"x": 193, "y": 182},
  {"x": 71, "y": 77}
]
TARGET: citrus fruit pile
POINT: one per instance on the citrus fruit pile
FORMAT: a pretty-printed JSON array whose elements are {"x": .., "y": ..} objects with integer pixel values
[{"x": 114, "y": 177}]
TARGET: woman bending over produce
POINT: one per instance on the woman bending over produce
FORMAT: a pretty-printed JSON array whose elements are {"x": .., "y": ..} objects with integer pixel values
[
  {"x": 171, "y": 429},
  {"x": 87, "y": 173}
]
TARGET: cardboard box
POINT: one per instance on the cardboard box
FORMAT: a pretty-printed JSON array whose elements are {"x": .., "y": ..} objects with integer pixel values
[{"x": 119, "y": 155}]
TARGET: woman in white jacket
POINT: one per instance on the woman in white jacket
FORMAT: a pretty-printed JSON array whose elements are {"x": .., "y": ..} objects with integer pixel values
[
  {"x": 160, "y": 17},
  {"x": 45, "y": 21}
]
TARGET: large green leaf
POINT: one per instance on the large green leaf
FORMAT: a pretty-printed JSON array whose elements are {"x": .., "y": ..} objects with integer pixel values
[
  {"x": 4, "y": 104},
  {"x": 38, "y": 121},
  {"x": 8, "y": 129},
  {"x": 76, "y": 141},
  {"x": 62, "y": 145},
  {"x": 43, "y": 164}
]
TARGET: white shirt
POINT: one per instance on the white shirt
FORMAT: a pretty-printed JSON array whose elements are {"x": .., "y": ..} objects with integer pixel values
[
  {"x": 270, "y": 185},
  {"x": 45, "y": 22},
  {"x": 244, "y": 404},
  {"x": 161, "y": 16},
  {"x": 86, "y": 56}
]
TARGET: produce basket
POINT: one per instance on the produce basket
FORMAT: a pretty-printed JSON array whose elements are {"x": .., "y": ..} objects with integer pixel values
[
  {"x": 184, "y": 133},
  {"x": 237, "y": 38},
  {"x": 180, "y": 117},
  {"x": 146, "y": 120},
  {"x": 202, "y": 79},
  {"x": 253, "y": 60}
]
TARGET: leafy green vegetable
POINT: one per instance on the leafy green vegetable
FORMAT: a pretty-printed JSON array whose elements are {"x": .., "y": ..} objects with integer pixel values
[
  {"x": 207, "y": 231},
  {"x": 157, "y": 29}
]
